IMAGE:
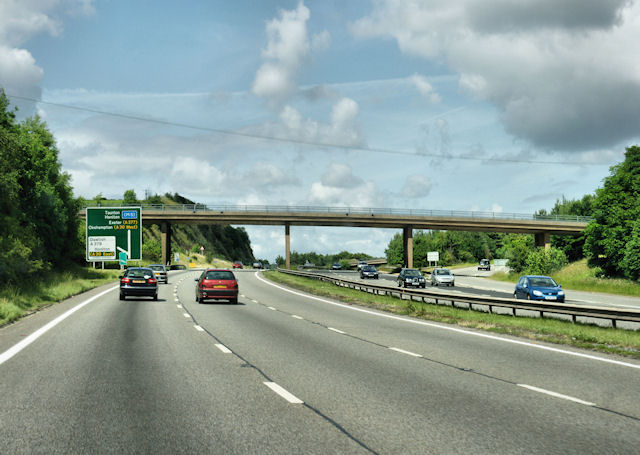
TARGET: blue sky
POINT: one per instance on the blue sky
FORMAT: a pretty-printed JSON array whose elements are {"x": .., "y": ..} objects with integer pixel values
[{"x": 425, "y": 104}]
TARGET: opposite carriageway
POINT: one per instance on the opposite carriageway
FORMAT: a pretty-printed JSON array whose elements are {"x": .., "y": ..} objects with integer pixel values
[{"x": 542, "y": 226}]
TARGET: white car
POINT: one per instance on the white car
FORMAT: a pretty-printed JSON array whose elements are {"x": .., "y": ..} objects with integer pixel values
[
  {"x": 362, "y": 264},
  {"x": 160, "y": 272}
]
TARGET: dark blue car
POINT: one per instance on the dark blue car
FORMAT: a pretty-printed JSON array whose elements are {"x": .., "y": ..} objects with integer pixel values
[{"x": 537, "y": 287}]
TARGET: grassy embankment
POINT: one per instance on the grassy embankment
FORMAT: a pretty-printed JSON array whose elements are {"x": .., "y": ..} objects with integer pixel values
[
  {"x": 17, "y": 301},
  {"x": 578, "y": 276},
  {"x": 622, "y": 342}
]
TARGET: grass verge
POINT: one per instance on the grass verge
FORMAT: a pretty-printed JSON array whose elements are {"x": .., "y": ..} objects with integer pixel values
[
  {"x": 18, "y": 301},
  {"x": 613, "y": 341}
]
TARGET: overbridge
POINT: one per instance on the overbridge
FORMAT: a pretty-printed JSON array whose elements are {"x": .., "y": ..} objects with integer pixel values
[{"x": 541, "y": 226}]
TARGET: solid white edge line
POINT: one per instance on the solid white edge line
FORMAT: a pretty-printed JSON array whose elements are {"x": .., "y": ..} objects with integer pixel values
[
  {"x": 455, "y": 329},
  {"x": 283, "y": 393},
  {"x": 198, "y": 328},
  {"x": 336, "y": 330},
  {"x": 6, "y": 355},
  {"x": 402, "y": 351},
  {"x": 557, "y": 395},
  {"x": 223, "y": 348}
]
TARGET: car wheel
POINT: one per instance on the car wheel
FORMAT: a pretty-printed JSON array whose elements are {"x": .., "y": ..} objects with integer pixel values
[
  {"x": 423, "y": 286},
  {"x": 528, "y": 297},
  {"x": 515, "y": 296},
  {"x": 234, "y": 301},
  {"x": 122, "y": 296},
  {"x": 155, "y": 296}
]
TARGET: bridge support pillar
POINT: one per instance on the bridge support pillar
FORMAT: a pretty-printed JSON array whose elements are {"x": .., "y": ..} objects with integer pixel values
[
  {"x": 165, "y": 241},
  {"x": 543, "y": 239},
  {"x": 287, "y": 246},
  {"x": 407, "y": 243}
]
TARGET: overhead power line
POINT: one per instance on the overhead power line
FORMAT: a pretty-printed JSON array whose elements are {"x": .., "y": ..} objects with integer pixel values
[{"x": 300, "y": 141}]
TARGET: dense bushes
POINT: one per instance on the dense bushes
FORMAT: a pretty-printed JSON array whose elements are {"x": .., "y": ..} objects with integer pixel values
[{"x": 38, "y": 214}]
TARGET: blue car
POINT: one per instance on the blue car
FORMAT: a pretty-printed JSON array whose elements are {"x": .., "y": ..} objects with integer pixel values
[{"x": 537, "y": 287}]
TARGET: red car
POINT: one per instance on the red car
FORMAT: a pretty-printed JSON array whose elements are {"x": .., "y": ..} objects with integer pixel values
[
  {"x": 237, "y": 265},
  {"x": 217, "y": 284}
]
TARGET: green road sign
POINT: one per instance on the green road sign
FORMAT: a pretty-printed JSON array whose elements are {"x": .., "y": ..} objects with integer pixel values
[
  {"x": 123, "y": 258},
  {"x": 113, "y": 230}
]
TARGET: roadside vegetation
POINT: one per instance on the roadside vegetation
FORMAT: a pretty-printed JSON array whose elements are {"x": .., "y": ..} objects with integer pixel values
[
  {"x": 613, "y": 341},
  {"x": 18, "y": 300}
]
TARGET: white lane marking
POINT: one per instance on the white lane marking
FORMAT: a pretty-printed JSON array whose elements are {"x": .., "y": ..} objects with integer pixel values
[
  {"x": 186, "y": 315},
  {"x": 254, "y": 301},
  {"x": 402, "y": 351},
  {"x": 557, "y": 395},
  {"x": 454, "y": 329},
  {"x": 271, "y": 308},
  {"x": 336, "y": 330},
  {"x": 176, "y": 300},
  {"x": 16, "y": 348},
  {"x": 223, "y": 348},
  {"x": 296, "y": 316},
  {"x": 283, "y": 393},
  {"x": 179, "y": 306},
  {"x": 198, "y": 328},
  {"x": 242, "y": 295}
]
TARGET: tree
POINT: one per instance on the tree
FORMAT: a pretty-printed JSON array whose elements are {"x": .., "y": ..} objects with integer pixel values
[
  {"x": 610, "y": 240},
  {"x": 130, "y": 198},
  {"x": 38, "y": 216}
]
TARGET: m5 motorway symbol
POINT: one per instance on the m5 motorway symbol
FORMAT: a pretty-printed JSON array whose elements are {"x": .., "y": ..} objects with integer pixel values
[{"x": 114, "y": 230}]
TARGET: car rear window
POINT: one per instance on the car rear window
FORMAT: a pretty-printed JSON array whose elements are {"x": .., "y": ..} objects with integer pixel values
[
  {"x": 139, "y": 273},
  {"x": 219, "y": 275},
  {"x": 159, "y": 268}
]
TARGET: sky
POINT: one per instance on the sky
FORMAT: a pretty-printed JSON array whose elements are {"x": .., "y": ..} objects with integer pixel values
[{"x": 474, "y": 105}]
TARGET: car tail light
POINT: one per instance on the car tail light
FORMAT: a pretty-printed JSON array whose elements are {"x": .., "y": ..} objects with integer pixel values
[
  {"x": 152, "y": 281},
  {"x": 125, "y": 281}
]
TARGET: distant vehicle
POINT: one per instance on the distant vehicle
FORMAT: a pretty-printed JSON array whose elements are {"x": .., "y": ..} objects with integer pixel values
[
  {"x": 484, "y": 264},
  {"x": 538, "y": 287},
  {"x": 257, "y": 265},
  {"x": 368, "y": 271},
  {"x": 160, "y": 272},
  {"x": 411, "y": 277},
  {"x": 361, "y": 264},
  {"x": 217, "y": 284},
  {"x": 237, "y": 265},
  {"x": 441, "y": 276},
  {"x": 177, "y": 267},
  {"x": 336, "y": 266},
  {"x": 138, "y": 281}
]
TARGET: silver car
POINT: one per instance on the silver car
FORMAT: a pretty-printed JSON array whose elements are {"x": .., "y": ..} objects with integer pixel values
[
  {"x": 441, "y": 276},
  {"x": 160, "y": 272}
]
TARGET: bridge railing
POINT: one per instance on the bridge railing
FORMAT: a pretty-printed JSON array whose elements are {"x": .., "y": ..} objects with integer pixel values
[{"x": 355, "y": 211}]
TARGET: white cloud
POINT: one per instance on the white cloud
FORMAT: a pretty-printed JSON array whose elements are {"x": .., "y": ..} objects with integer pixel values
[
  {"x": 416, "y": 186},
  {"x": 267, "y": 176},
  {"x": 20, "y": 21},
  {"x": 321, "y": 41},
  {"x": 340, "y": 175},
  {"x": 424, "y": 87},
  {"x": 562, "y": 74},
  {"x": 287, "y": 46}
]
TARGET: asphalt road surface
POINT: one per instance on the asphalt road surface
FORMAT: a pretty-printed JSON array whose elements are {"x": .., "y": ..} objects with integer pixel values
[{"x": 282, "y": 372}]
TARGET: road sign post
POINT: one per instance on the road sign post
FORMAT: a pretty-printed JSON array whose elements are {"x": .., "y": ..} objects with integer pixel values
[{"x": 114, "y": 230}]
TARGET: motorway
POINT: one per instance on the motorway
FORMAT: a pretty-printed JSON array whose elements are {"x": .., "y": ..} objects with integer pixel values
[{"x": 283, "y": 372}]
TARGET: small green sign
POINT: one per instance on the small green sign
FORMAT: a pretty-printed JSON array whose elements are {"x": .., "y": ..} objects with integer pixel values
[{"x": 123, "y": 258}]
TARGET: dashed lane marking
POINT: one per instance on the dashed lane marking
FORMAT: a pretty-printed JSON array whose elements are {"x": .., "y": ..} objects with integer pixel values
[{"x": 283, "y": 393}]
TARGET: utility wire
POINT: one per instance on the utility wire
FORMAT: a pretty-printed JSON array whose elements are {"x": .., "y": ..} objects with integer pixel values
[{"x": 298, "y": 141}]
